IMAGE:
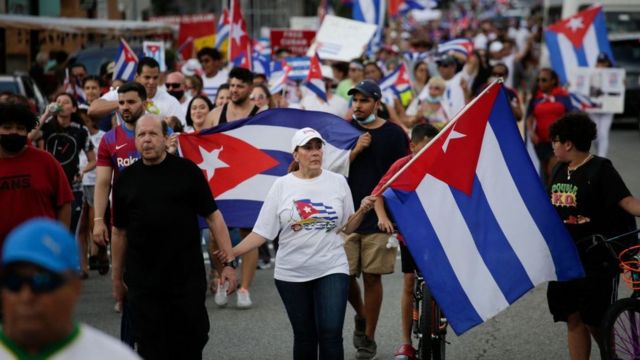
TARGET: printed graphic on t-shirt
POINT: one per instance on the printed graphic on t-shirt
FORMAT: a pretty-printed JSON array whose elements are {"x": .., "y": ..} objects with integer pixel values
[
  {"x": 565, "y": 195},
  {"x": 313, "y": 216}
]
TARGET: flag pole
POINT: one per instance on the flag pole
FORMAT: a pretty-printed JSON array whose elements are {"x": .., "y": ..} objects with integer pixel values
[{"x": 417, "y": 155}]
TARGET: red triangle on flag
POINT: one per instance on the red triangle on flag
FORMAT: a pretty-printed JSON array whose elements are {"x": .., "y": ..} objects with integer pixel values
[
  {"x": 225, "y": 161},
  {"x": 576, "y": 26},
  {"x": 453, "y": 156}
]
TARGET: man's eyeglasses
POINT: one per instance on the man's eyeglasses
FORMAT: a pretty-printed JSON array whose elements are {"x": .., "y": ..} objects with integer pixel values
[
  {"x": 40, "y": 282},
  {"x": 172, "y": 85}
]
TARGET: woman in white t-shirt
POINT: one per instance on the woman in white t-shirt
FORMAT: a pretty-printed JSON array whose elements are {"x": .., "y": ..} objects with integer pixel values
[{"x": 306, "y": 208}]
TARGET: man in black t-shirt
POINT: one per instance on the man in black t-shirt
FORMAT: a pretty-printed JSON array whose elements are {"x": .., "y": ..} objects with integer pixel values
[
  {"x": 380, "y": 146},
  {"x": 157, "y": 258},
  {"x": 590, "y": 198}
]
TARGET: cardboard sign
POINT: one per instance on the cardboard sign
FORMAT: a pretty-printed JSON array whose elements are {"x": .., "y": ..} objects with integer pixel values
[
  {"x": 341, "y": 39},
  {"x": 296, "y": 41},
  {"x": 599, "y": 90}
]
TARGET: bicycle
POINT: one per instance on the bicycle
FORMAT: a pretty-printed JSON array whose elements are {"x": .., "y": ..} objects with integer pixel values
[
  {"x": 429, "y": 323},
  {"x": 621, "y": 322}
]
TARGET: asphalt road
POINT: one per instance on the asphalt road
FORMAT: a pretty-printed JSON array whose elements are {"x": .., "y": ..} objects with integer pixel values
[{"x": 523, "y": 331}]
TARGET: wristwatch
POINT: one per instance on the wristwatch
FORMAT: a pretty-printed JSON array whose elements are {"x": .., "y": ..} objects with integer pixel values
[{"x": 232, "y": 264}]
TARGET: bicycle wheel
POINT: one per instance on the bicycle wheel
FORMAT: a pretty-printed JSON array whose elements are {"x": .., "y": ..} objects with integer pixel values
[
  {"x": 438, "y": 341},
  {"x": 425, "y": 322},
  {"x": 621, "y": 330}
]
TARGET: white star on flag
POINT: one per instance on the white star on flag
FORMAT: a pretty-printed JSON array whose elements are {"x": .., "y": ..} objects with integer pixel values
[
  {"x": 575, "y": 24},
  {"x": 211, "y": 161},
  {"x": 452, "y": 136},
  {"x": 236, "y": 32}
]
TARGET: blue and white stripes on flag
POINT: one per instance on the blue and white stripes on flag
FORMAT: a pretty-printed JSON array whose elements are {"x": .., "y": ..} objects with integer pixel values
[
  {"x": 371, "y": 12},
  {"x": 577, "y": 41},
  {"x": 222, "y": 30},
  {"x": 267, "y": 134},
  {"x": 462, "y": 46},
  {"x": 476, "y": 217},
  {"x": 126, "y": 63}
]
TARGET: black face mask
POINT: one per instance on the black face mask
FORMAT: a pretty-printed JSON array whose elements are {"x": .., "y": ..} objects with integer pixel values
[
  {"x": 12, "y": 143},
  {"x": 177, "y": 94}
]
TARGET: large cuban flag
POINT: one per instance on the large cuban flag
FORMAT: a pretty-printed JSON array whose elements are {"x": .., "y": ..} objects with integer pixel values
[
  {"x": 577, "y": 41},
  {"x": 241, "y": 159},
  {"x": 476, "y": 217}
]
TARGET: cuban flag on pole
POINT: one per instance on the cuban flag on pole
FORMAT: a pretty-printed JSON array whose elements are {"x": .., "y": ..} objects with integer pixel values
[
  {"x": 577, "y": 41},
  {"x": 314, "y": 80},
  {"x": 279, "y": 77},
  {"x": 462, "y": 46},
  {"x": 241, "y": 159},
  {"x": 222, "y": 30},
  {"x": 476, "y": 217},
  {"x": 371, "y": 12},
  {"x": 398, "y": 81},
  {"x": 126, "y": 63}
]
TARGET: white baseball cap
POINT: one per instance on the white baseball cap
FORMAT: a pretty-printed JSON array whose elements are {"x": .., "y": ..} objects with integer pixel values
[{"x": 303, "y": 136}]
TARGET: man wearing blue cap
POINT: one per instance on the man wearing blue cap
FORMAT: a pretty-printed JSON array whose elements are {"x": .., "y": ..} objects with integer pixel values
[
  {"x": 40, "y": 288},
  {"x": 380, "y": 145}
]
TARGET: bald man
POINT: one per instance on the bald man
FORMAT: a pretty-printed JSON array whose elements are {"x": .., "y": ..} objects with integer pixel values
[{"x": 157, "y": 260}]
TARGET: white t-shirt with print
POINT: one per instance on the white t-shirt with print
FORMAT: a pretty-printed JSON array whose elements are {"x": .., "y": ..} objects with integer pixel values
[
  {"x": 307, "y": 213},
  {"x": 89, "y": 343}
]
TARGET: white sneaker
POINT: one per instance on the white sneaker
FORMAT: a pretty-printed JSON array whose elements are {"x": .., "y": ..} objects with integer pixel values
[
  {"x": 244, "y": 300},
  {"x": 221, "y": 294}
]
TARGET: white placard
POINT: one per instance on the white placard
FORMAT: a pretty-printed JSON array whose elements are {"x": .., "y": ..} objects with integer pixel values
[
  {"x": 602, "y": 88},
  {"x": 341, "y": 39}
]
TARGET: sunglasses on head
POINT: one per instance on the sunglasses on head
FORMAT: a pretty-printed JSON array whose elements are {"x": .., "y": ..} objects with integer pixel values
[
  {"x": 172, "y": 85},
  {"x": 40, "y": 283}
]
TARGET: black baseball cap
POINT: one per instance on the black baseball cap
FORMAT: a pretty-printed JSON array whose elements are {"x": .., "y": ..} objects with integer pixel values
[{"x": 367, "y": 88}]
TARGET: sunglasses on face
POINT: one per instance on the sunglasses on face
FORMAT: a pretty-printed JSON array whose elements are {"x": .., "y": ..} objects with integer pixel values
[
  {"x": 172, "y": 85},
  {"x": 40, "y": 283}
]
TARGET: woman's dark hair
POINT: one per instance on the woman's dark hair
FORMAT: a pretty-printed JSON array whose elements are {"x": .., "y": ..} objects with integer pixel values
[
  {"x": 75, "y": 116},
  {"x": 204, "y": 98},
  {"x": 576, "y": 127},
  {"x": 224, "y": 86}
]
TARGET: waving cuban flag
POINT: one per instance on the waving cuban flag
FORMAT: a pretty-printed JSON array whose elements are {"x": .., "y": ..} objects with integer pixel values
[
  {"x": 126, "y": 63},
  {"x": 476, "y": 217},
  {"x": 243, "y": 158},
  {"x": 462, "y": 46},
  {"x": 577, "y": 41},
  {"x": 371, "y": 12},
  {"x": 222, "y": 30},
  {"x": 314, "y": 80}
]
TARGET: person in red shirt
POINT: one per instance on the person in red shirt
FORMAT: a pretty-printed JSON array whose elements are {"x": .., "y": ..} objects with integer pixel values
[
  {"x": 421, "y": 135},
  {"x": 32, "y": 182},
  {"x": 550, "y": 103}
]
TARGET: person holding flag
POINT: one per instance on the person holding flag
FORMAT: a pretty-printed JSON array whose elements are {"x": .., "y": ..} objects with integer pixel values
[
  {"x": 591, "y": 198},
  {"x": 304, "y": 208}
]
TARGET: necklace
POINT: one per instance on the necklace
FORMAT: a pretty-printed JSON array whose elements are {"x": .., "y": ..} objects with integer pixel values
[{"x": 570, "y": 170}]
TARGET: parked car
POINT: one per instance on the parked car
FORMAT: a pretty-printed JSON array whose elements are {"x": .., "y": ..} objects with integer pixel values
[
  {"x": 21, "y": 83},
  {"x": 626, "y": 52}
]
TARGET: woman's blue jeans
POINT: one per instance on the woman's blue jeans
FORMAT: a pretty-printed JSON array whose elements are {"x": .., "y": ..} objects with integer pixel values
[{"x": 316, "y": 311}]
